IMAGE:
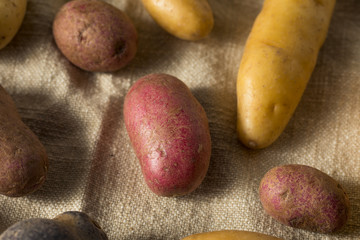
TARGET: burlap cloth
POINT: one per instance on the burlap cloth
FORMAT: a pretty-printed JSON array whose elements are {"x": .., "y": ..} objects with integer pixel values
[{"x": 78, "y": 117}]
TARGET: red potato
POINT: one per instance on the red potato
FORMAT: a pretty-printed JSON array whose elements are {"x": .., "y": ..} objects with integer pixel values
[
  {"x": 23, "y": 159},
  {"x": 304, "y": 197},
  {"x": 169, "y": 131},
  {"x": 95, "y": 36}
]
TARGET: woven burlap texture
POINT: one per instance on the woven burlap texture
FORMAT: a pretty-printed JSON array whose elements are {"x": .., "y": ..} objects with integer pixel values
[{"x": 78, "y": 117}]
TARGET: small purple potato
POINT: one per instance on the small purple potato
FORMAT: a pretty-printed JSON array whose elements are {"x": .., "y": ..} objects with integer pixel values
[
  {"x": 169, "y": 131},
  {"x": 95, "y": 35},
  {"x": 23, "y": 160},
  {"x": 66, "y": 226},
  {"x": 304, "y": 197}
]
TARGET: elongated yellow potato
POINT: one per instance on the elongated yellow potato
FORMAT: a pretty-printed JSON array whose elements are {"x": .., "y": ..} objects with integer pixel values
[
  {"x": 185, "y": 19},
  {"x": 230, "y": 235},
  {"x": 12, "y": 13},
  {"x": 278, "y": 60}
]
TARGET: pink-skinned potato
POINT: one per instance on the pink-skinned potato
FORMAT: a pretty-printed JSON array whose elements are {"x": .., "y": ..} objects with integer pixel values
[
  {"x": 304, "y": 197},
  {"x": 169, "y": 132},
  {"x": 23, "y": 159},
  {"x": 94, "y": 35}
]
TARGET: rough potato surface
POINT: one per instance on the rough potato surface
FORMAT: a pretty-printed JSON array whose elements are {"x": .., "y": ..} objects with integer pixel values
[
  {"x": 169, "y": 132},
  {"x": 23, "y": 159},
  {"x": 67, "y": 226},
  {"x": 95, "y": 35},
  {"x": 304, "y": 197}
]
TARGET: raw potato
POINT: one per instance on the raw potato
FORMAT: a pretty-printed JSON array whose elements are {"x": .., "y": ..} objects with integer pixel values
[
  {"x": 185, "y": 19},
  {"x": 66, "y": 226},
  {"x": 230, "y": 235},
  {"x": 169, "y": 131},
  {"x": 278, "y": 60},
  {"x": 304, "y": 197},
  {"x": 95, "y": 35},
  {"x": 12, "y": 14},
  {"x": 23, "y": 160}
]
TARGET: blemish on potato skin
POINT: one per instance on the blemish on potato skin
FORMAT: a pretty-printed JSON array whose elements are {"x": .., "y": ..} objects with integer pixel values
[
  {"x": 252, "y": 144},
  {"x": 200, "y": 148},
  {"x": 319, "y": 2},
  {"x": 120, "y": 49},
  {"x": 284, "y": 195},
  {"x": 81, "y": 38},
  {"x": 14, "y": 5}
]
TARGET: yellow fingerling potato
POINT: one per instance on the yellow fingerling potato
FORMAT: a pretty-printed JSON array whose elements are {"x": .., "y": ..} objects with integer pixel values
[
  {"x": 230, "y": 235},
  {"x": 278, "y": 60},
  {"x": 12, "y": 13},
  {"x": 185, "y": 19}
]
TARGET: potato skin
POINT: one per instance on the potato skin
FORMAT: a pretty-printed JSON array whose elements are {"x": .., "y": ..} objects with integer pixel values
[
  {"x": 230, "y": 235},
  {"x": 23, "y": 159},
  {"x": 185, "y": 19},
  {"x": 304, "y": 197},
  {"x": 12, "y": 14},
  {"x": 95, "y": 35},
  {"x": 169, "y": 131},
  {"x": 278, "y": 60},
  {"x": 66, "y": 226}
]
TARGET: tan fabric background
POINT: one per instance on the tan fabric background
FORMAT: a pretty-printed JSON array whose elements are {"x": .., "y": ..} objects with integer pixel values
[{"x": 78, "y": 117}]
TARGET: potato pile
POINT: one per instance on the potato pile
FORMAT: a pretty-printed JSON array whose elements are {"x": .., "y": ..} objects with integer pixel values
[{"x": 167, "y": 126}]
